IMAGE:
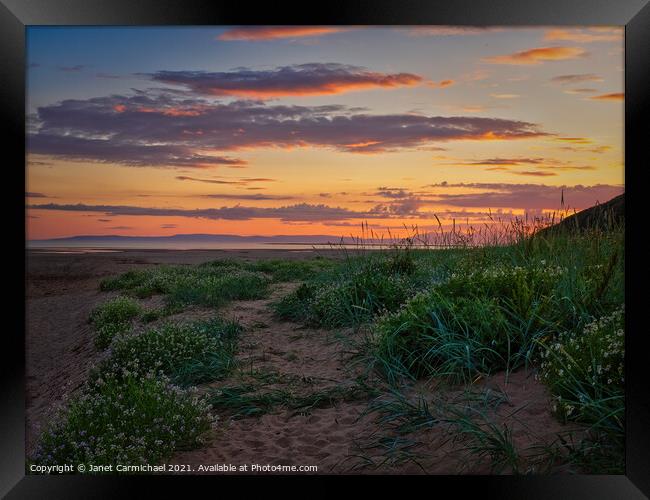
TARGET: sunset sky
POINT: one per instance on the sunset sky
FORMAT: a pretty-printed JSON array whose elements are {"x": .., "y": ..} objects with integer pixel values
[{"x": 312, "y": 130}]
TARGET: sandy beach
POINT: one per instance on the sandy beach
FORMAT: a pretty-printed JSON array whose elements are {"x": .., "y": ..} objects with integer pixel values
[{"x": 63, "y": 288}]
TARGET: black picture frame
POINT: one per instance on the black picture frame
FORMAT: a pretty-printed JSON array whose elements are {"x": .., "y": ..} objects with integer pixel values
[{"x": 15, "y": 15}]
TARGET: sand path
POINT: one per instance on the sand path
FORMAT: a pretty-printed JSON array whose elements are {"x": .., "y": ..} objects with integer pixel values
[
  {"x": 313, "y": 361},
  {"x": 336, "y": 437}
]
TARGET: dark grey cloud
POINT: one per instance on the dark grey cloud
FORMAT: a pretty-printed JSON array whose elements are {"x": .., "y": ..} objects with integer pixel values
[
  {"x": 240, "y": 181},
  {"x": 527, "y": 196},
  {"x": 162, "y": 129},
  {"x": 390, "y": 192},
  {"x": 545, "y": 165},
  {"x": 298, "y": 212},
  {"x": 493, "y": 196},
  {"x": 295, "y": 80},
  {"x": 31, "y": 194},
  {"x": 124, "y": 152},
  {"x": 402, "y": 207}
]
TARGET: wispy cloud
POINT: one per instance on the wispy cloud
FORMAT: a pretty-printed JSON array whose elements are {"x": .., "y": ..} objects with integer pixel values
[
  {"x": 574, "y": 140},
  {"x": 257, "y": 33},
  {"x": 543, "y": 165},
  {"x": 584, "y": 35},
  {"x": 538, "y": 56},
  {"x": 577, "y": 78},
  {"x": 259, "y": 197},
  {"x": 505, "y": 161},
  {"x": 31, "y": 194},
  {"x": 615, "y": 96},
  {"x": 505, "y": 96},
  {"x": 72, "y": 69},
  {"x": 536, "y": 173},
  {"x": 442, "y": 84},
  {"x": 580, "y": 91},
  {"x": 452, "y": 30},
  {"x": 239, "y": 181},
  {"x": 296, "y": 80}
]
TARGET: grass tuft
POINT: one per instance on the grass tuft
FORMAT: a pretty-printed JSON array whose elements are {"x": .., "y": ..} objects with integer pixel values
[{"x": 113, "y": 318}]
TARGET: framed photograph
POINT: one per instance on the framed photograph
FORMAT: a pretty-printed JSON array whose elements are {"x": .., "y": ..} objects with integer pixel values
[{"x": 388, "y": 239}]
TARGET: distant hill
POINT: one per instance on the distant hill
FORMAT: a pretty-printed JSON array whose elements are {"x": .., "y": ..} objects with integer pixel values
[
  {"x": 602, "y": 216},
  {"x": 181, "y": 241}
]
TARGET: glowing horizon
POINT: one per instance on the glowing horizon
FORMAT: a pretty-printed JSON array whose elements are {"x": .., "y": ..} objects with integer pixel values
[{"x": 311, "y": 130}]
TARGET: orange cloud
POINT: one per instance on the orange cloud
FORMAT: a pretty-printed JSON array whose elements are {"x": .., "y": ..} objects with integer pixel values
[
  {"x": 616, "y": 96},
  {"x": 441, "y": 84},
  {"x": 374, "y": 80},
  {"x": 538, "y": 56},
  {"x": 585, "y": 36},
  {"x": 574, "y": 140},
  {"x": 474, "y": 108},
  {"x": 276, "y": 32},
  {"x": 535, "y": 173},
  {"x": 362, "y": 144},
  {"x": 505, "y": 96},
  {"x": 297, "y": 80}
]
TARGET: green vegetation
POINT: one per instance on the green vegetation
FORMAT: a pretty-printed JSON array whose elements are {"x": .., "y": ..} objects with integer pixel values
[
  {"x": 213, "y": 283},
  {"x": 125, "y": 420},
  {"x": 189, "y": 353},
  {"x": 255, "y": 399},
  {"x": 547, "y": 300},
  {"x": 472, "y": 323},
  {"x": 155, "y": 314},
  {"x": 550, "y": 301},
  {"x": 356, "y": 290},
  {"x": 113, "y": 318},
  {"x": 584, "y": 370},
  {"x": 279, "y": 270},
  {"x": 211, "y": 286}
]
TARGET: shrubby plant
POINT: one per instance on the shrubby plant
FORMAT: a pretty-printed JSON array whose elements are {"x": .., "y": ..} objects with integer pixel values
[
  {"x": 127, "y": 419},
  {"x": 585, "y": 365},
  {"x": 354, "y": 294},
  {"x": 113, "y": 318},
  {"x": 189, "y": 353}
]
